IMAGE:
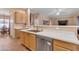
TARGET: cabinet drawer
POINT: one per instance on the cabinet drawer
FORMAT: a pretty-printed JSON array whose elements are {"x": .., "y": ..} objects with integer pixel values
[
  {"x": 66, "y": 45},
  {"x": 57, "y": 48}
]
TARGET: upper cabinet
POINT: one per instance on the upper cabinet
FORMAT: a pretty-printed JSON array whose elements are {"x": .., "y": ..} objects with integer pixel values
[{"x": 21, "y": 16}]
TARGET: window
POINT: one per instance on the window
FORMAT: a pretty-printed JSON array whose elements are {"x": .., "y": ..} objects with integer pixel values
[
  {"x": 4, "y": 22},
  {"x": 1, "y": 23},
  {"x": 7, "y": 23}
]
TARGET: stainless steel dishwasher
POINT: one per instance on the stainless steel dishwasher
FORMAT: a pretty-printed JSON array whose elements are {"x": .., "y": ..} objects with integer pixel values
[{"x": 44, "y": 43}]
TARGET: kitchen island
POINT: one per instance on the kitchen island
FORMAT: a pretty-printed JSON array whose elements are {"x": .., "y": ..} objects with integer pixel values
[{"x": 71, "y": 43}]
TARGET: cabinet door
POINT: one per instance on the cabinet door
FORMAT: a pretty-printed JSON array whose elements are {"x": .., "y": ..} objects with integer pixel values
[
  {"x": 16, "y": 36},
  {"x": 32, "y": 42},
  {"x": 57, "y": 48},
  {"x": 21, "y": 17},
  {"x": 17, "y": 33},
  {"x": 18, "y": 17},
  {"x": 66, "y": 45},
  {"x": 22, "y": 40},
  {"x": 25, "y": 18},
  {"x": 26, "y": 37}
]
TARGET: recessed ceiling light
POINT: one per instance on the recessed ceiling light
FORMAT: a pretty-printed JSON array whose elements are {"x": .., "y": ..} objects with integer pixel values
[
  {"x": 60, "y": 9},
  {"x": 58, "y": 13}
]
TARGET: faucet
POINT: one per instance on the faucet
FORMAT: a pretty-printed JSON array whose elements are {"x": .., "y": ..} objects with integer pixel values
[{"x": 37, "y": 27}]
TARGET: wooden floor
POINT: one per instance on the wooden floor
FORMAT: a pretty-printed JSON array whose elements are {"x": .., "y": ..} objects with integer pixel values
[{"x": 9, "y": 44}]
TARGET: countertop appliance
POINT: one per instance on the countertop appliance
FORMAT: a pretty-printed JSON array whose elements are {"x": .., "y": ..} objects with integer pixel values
[{"x": 44, "y": 43}]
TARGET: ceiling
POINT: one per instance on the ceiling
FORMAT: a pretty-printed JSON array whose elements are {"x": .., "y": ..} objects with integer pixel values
[
  {"x": 7, "y": 11},
  {"x": 54, "y": 12},
  {"x": 4, "y": 11}
]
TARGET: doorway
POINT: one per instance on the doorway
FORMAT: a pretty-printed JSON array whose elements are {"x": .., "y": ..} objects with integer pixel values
[{"x": 5, "y": 25}]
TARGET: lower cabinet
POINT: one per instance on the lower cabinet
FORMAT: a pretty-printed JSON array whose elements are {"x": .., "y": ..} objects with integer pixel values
[
  {"x": 26, "y": 40},
  {"x": 32, "y": 42},
  {"x": 29, "y": 40},
  {"x": 22, "y": 39},
  {"x": 58, "y": 48},
  {"x": 64, "y": 46},
  {"x": 17, "y": 31}
]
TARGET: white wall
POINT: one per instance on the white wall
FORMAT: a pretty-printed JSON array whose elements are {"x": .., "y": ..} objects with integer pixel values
[{"x": 12, "y": 32}]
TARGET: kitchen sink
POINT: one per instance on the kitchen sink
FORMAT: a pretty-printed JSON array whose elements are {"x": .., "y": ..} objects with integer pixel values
[{"x": 34, "y": 30}]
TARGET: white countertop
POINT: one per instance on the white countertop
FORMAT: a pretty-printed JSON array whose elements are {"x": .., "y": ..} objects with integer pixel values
[{"x": 58, "y": 34}]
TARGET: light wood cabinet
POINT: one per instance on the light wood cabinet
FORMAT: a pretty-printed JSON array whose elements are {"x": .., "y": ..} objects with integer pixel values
[
  {"x": 32, "y": 41},
  {"x": 58, "y": 48},
  {"x": 28, "y": 40},
  {"x": 22, "y": 37},
  {"x": 21, "y": 17},
  {"x": 17, "y": 33},
  {"x": 64, "y": 46}
]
